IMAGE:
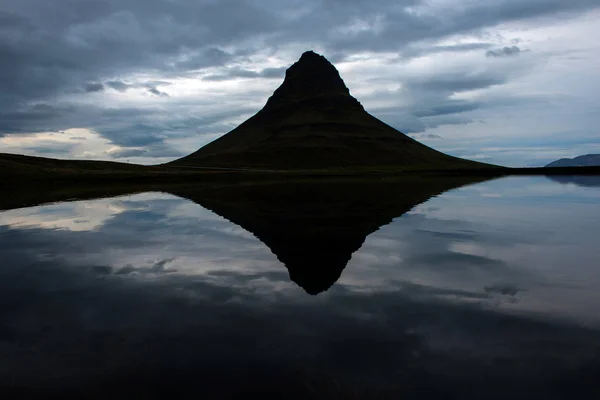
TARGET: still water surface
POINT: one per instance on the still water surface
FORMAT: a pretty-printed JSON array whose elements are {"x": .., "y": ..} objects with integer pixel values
[{"x": 488, "y": 290}]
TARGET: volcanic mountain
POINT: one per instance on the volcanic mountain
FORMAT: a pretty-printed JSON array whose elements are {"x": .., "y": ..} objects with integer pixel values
[{"x": 312, "y": 122}]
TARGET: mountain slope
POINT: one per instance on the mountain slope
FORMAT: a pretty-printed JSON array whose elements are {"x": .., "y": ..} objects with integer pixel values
[
  {"x": 15, "y": 164},
  {"x": 312, "y": 122},
  {"x": 588, "y": 160}
]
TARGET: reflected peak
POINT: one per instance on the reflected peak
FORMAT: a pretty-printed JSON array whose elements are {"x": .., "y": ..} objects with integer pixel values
[{"x": 313, "y": 228}]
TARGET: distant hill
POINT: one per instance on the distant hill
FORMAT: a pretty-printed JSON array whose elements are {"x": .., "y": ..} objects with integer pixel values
[
  {"x": 20, "y": 164},
  {"x": 588, "y": 160},
  {"x": 312, "y": 122}
]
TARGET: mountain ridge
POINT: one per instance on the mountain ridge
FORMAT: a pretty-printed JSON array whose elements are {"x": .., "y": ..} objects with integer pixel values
[{"x": 586, "y": 160}]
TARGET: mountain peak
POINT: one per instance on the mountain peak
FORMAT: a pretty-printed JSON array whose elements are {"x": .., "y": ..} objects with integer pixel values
[
  {"x": 310, "y": 54},
  {"x": 312, "y": 76}
]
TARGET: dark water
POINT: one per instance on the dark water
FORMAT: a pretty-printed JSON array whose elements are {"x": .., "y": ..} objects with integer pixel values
[{"x": 388, "y": 289}]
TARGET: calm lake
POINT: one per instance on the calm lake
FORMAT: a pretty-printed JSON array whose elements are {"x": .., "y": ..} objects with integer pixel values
[{"x": 388, "y": 289}]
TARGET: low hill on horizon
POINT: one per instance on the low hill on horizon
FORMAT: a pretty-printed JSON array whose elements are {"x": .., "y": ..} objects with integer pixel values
[
  {"x": 18, "y": 163},
  {"x": 312, "y": 122},
  {"x": 587, "y": 160}
]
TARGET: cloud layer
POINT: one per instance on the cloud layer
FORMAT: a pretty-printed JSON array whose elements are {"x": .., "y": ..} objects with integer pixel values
[{"x": 159, "y": 78}]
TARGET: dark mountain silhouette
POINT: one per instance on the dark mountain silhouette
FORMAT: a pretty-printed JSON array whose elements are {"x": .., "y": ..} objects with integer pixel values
[
  {"x": 314, "y": 228},
  {"x": 312, "y": 122},
  {"x": 588, "y": 160}
]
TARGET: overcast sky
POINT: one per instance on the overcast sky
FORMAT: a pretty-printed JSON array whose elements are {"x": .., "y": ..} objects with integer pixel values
[{"x": 513, "y": 82}]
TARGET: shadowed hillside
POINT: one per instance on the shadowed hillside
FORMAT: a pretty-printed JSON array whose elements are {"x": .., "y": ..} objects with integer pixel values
[
  {"x": 312, "y": 122},
  {"x": 16, "y": 163},
  {"x": 588, "y": 160}
]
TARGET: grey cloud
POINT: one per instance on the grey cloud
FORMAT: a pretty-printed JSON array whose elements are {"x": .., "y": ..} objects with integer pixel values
[
  {"x": 451, "y": 107},
  {"x": 209, "y": 58},
  {"x": 36, "y": 118},
  {"x": 140, "y": 134},
  {"x": 50, "y": 148},
  {"x": 399, "y": 25},
  {"x": 52, "y": 51},
  {"x": 233, "y": 73},
  {"x": 93, "y": 87},
  {"x": 456, "y": 260},
  {"x": 403, "y": 121},
  {"x": 506, "y": 290},
  {"x": 458, "y": 235},
  {"x": 126, "y": 153},
  {"x": 422, "y": 118},
  {"x": 118, "y": 85},
  {"x": 156, "y": 92},
  {"x": 426, "y": 136},
  {"x": 133, "y": 128},
  {"x": 432, "y": 103},
  {"x": 457, "y": 82},
  {"x": 230, "y": 74},
  {"x": 432, "y": 99},
  {"x": 504, "y": 52},
  {"x": 422, "y": 50},
  {"x": 164, "y": 36},
  {"x": 273, "y": 72},
  {"x": 150, "y": 86},
  {"x": 157, "y": 150}
]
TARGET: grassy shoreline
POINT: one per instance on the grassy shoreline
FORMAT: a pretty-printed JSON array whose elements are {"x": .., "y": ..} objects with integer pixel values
[{"x": 26, "y": 169}]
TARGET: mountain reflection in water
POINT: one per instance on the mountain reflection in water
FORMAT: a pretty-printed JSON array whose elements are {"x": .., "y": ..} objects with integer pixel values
[{"x": 80, "y": 317}]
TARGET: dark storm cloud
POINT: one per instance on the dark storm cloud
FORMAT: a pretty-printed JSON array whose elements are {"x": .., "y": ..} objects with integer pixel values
[{"x": 504, "y": 52}]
